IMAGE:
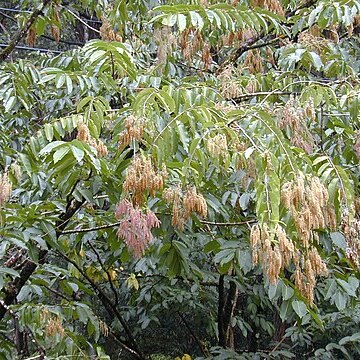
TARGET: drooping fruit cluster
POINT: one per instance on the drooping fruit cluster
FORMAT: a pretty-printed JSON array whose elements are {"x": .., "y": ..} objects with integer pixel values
[
  {"x": 184, "y": 204},
  {"x": 135, "y": 226},
  {"x": 53, "y": 324},
  {"x": 309, "y": 207},
  {"x": 85, "y": 136},
  {"x": 307, "y": 201},
  {"x": 253, "y": 61},
  {"x": 166, "y": 42},
  {"x": 217, "y": 145},
  {"x": 107, "y": 32},
  {"x": 293, "y": 117},
  {"x": 5, "y": 188},
  {"x": 229, "y": 87},
  {"x": 134, "y": 130},
  {"x": 357, "y": 144},
  {"x": 141, "y": 177},
  {"x": 351, "y": 230}
]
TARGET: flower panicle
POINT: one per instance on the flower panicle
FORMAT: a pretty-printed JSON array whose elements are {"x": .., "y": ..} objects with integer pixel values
[{"x": 135, "y": 226}]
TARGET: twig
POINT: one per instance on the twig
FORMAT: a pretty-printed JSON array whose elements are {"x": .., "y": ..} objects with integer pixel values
[
  {"x": 121, "y": 342},
  {"x": 81, "y": 20},
  {"x": 228, "y": 223},
  {"x": 67, "y": 42},
  {"x": 22, "y": 32},
  {"x": 57, "y": 293},
  {"x": 107, "y": 226},
  {"x": 107, "y": 273},
  {"x": 27, "y": 48},
  {"x": 75, "y": 231},
  {"x": 263, "y": 93}
]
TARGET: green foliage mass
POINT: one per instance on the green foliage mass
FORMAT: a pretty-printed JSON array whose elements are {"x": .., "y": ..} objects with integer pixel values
[{"x": 183, "y": 181}]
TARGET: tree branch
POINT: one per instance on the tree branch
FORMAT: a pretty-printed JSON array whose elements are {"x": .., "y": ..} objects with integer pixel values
[
  {"x": 229, "y": 223},
  {"x": 107, "y": 273},
  {"x": 81, "y": 20},
  {"x": 22, "y": 32},
  {"x": 108, "y": 226},
  {"x": 263, "y": 93},
  {"x": 28, "y": 48},
  {"x": 220, "y": 312}
]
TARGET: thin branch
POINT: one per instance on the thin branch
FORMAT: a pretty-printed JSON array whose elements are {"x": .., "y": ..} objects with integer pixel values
[
  {"x": 229, "y": 223},
  {"x": 108, "y": 226},
  {"x": 121, "y": 342},
  {"x": 27, "y": 48},
  {"x": 75, "y": 231},
  {"x": 7, "y": 16},
  {"x": 81, "y": 20},
  {"x": 22, "y": 32},
  {"x": 263, "y": 93},
  {"x": 68, "y": 42},
  {"x": 306, "y": 4},
  {"x": 7, "y": 338},
  {"x": 107, "y": 273},
  {"x": 251, "y": 43},
  {"x": 15, "y": 10},
  {"x": 57, "y": 293}
]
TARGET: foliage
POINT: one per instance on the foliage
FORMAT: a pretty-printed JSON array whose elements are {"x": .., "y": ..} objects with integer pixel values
[{"x": 185, "y": 183}]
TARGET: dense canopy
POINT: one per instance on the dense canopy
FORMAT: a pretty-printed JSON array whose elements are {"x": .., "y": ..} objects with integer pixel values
[{"x": 179, "y": 179}]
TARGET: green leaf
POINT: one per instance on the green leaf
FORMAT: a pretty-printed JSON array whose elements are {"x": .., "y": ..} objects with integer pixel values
[
  {"x": 287, "y": 292},
  {"x": 9, "y": 104},
  {"x": 9, "y": 271},
  {"x": 60, "y": 153},
  {"x": 49, "y": 132},
  {"x": 285, "y": 310},
  {"x": 340, "y": 300},
  {"x": 51, "y": 146},
  {"x": 338, "y": 239},
  {"x": 299, "y": 307},
  {"x": 78, "y": 153},
  {"x": 181, "y": 21}
]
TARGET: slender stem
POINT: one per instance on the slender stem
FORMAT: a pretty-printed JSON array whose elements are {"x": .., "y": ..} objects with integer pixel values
[
  {"x": 108, "y": 226},
  {"x": 107, "y": 273},
  {"x": 220, "y": 313},
  {"x": 263, "y": 93},
  {"x": 228, "y": 223},
  {"x": 80, "y": 19}
]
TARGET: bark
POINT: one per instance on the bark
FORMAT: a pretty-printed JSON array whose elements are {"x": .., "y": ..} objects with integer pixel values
[
  {"x": 220, "y": 314},
  {"x": 229, "y": 313},
  {"x": 226, "y": 309}
]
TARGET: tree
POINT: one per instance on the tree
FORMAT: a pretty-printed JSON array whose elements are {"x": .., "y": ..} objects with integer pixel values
[{"x": 183, "y": 182}]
